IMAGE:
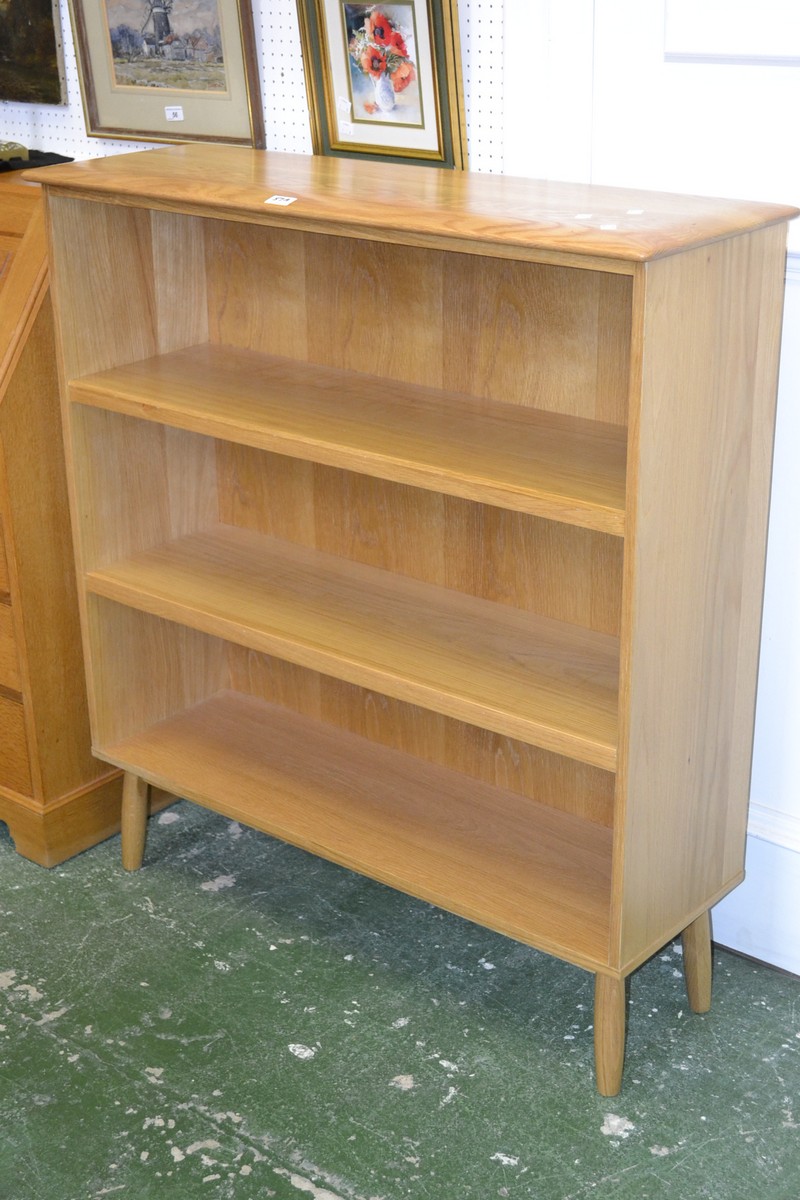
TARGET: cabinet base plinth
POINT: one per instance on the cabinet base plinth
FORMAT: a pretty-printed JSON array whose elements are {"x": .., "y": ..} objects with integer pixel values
[{"x": 49, "y": 836}]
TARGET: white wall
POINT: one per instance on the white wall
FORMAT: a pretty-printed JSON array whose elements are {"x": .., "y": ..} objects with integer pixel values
[
  {"x": 595, "y": 90},
  {"x": 643, "y": 94},
  {"x": 762, "y": 917}
]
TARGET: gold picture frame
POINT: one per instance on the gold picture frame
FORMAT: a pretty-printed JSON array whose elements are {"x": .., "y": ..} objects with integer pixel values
[
  {"x": 169, "y": 70},
  {"x": 384, "y": 80}
]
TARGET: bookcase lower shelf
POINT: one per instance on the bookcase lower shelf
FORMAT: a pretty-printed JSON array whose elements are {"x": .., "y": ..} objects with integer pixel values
[
  {"x": 526, "y": 870},
  {"x": 518, "y": 867}
]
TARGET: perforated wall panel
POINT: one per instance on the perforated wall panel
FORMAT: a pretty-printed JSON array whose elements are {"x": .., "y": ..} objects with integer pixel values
[{"x": 61, "y": 128}]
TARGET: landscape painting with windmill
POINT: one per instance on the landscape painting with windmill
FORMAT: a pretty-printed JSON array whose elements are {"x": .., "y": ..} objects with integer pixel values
[{"x": 166, "y": 44}]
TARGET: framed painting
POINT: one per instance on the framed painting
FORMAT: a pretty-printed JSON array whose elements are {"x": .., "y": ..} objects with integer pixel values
[
  {"x": 31, "y": 53},
  {"x": 384, "y": 80},
  {"x": 169, "y": 70}
]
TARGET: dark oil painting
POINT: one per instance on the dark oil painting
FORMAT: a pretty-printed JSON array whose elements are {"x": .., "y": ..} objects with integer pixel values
[{"x": 31, "y": 70}]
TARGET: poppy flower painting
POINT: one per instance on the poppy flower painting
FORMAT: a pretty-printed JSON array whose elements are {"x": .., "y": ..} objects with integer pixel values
[
  {"x": 384, "y": 79},
  {"x": 384, "y": 86}
]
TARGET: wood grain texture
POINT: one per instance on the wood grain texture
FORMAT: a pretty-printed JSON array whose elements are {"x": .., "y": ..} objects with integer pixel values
[
  {"x": 73, "y": 823},
  {"x": 533, "y": 873},
  {"x": 566, "y": 468},
  {"x": 135, "y": 810},
  {"x": 16, "y": 768},
  {"x": 142, "y": 670},
  {"x": 487, "y": 328},
  {"x": 17, "y": 201},
  {"x": 106, "y": 254},
  {"x": 531, "y": 678},
  {"x": 9, "y": 662},
  {"x": 694, "y": 580},
  {"x": 45, "y": 761},
  {"x": 696, "y": 940},
  {"x": 479, "y": 213},
  {"x": 4, "y": 576},
  {"x": 431, "y": 535},
  {"x": 610, "y": 1021},
  {"x": 552, "y": 779}
]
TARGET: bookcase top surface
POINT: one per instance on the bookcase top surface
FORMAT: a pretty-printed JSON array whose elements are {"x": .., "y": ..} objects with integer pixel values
[{"x": 420, "y": 205}]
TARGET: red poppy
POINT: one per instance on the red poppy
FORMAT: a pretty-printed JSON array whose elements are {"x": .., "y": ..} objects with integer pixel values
[
  {"x": 378, "y": 27},
  {"x": 403, "y": 76},
  {"x": 397, "y": 44},
  {"x": 373, "y": 61}
]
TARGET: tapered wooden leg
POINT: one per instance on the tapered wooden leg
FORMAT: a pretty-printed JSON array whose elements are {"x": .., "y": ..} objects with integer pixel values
[
  {"x": 696, "y": 940},
  {"x": 134, "y": 820},
  {"x": 609, "y": 1033}
]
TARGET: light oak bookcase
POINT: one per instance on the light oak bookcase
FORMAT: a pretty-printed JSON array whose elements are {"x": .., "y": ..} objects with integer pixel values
[{"x": 420, "y": 522}]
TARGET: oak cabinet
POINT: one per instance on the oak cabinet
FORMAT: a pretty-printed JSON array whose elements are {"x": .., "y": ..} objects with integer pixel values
[
  {"x": 420, "y": 521},
  {"x": 55, "y": 798}
]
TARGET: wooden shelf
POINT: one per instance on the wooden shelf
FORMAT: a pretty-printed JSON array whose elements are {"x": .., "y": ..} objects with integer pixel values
[
  {"x": 519, "y": 867},
  {"x": 542, "y": 681},
  {"x": 566, "y": 468}
]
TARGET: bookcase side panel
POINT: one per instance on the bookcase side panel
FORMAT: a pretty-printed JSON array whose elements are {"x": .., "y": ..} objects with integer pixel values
[
  {"x": 146, "y": 669},
  {"x": 137, "y": 484},
  {"x": 694, "y": 581},
  {"x": 102, "y": 276}
]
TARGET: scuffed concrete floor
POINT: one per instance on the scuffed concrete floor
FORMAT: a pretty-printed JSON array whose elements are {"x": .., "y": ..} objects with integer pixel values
[{"x": 239, "y": 1020}]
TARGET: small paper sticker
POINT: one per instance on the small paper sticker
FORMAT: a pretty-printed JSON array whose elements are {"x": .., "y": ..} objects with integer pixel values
[
  {"x": 346, "y": 129},
  {"x": 280, "y": 200}
]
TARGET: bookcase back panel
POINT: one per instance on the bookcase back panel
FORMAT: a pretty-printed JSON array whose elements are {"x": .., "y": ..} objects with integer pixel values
[
  {"x": 514, "y": 332},
  {"x": 550, "y": 779},
  {"x": 256, "y": 287},
  {"x": 560, "y": 571},
  {"x": 544, "y": 336},
  {"x": 181, "y": 312}
]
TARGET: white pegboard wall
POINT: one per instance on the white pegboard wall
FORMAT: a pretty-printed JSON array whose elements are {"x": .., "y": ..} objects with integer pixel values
[
  {"x": 481, "y": 24},
  {"x": 282, "y": 76},
  {"x": 58, "y": 128},
  {"x": 61, "y": 129}
]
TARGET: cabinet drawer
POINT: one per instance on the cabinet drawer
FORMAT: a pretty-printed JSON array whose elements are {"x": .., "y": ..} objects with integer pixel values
[
  {"x": 15, "y": 771},
  {"x": 9, "y": 663},
  {"x": 8, "y": 660},
  {"x": 4, "y": 584}
]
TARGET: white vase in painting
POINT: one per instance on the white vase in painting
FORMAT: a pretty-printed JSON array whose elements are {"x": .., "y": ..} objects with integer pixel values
[{"x": 384, "y": 92}]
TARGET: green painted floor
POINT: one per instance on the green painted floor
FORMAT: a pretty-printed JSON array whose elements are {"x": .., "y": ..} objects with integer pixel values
[{"x": 239, "y": 1020}]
